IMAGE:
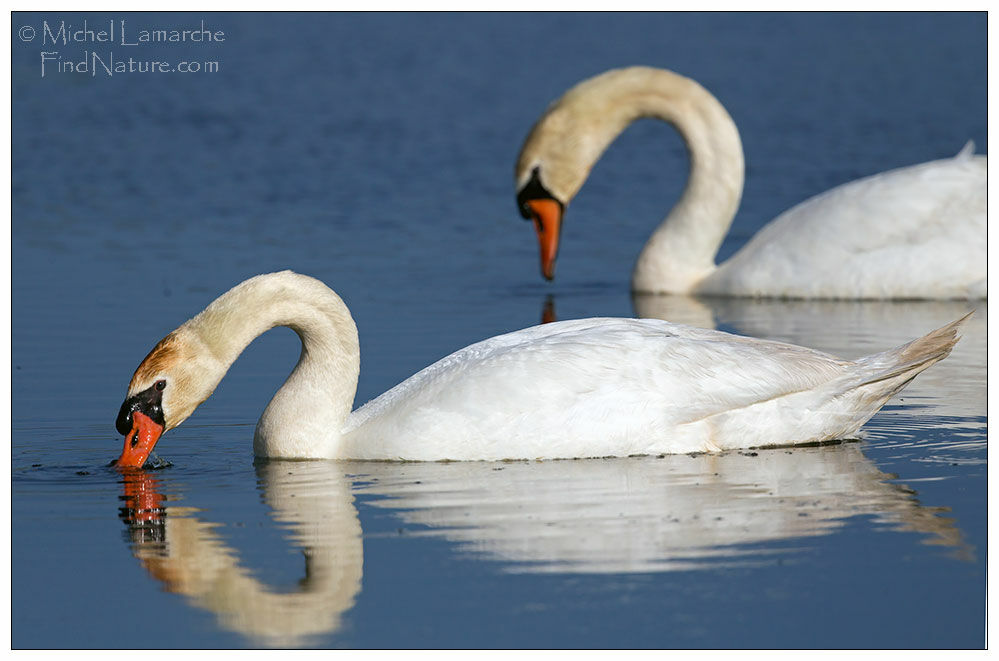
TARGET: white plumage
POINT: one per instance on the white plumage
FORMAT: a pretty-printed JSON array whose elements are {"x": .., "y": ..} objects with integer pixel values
[
  {"x": 914, "y": 232},
  {"x": 582, "y": 388}
]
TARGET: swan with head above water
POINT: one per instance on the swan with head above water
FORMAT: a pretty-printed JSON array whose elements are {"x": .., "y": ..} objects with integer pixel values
[
  {"x": 571, "y": 389},
  {"x": 914, "y": 232}
]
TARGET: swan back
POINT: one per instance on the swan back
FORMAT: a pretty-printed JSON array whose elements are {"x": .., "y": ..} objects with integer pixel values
[
  {"x": 913, "y": 232},
  {"x": 614, "y": 387}
]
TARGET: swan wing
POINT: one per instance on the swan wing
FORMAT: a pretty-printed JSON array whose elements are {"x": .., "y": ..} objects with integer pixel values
[
  {"x": 914, "y": 232},
  {"x": 594, "y": 387}
]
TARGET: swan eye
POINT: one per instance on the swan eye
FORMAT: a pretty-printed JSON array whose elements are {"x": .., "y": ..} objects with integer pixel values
[
  {"x": 160, "y": 385},
  {"x": 533, "y": 190}
]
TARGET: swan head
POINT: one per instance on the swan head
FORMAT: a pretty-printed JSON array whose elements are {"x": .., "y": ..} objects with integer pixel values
[
  {"x": 559, "y": 153},
  {"x": 169, "y": 384},
  {"x": 537, "y": 204},
  {"x": 552, "y": 167}
]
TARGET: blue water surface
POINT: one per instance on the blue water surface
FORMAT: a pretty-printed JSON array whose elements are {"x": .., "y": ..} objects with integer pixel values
[{"x": 375, "y": 152}]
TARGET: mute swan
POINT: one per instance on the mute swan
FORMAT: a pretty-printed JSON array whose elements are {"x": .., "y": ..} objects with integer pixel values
[
  {"x": 914, "y": 232},
  {"x": 580, "y": 388}
]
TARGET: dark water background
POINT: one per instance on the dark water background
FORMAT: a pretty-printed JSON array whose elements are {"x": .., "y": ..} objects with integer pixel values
[{"x": 375, "y": 152}]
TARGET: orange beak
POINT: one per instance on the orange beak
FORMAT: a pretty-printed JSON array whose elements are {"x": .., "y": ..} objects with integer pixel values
[
  {"x": 548, "y": 223},
  {"x": 140, "y": 441}
]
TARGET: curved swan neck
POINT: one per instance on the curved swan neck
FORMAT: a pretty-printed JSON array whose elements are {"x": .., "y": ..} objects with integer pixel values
[
  {"x": 304, "y": 418},
  {"x": 681, "y": 251},
  {"x": 313, "y": 502},
  {"x": 575, "y": 131}
]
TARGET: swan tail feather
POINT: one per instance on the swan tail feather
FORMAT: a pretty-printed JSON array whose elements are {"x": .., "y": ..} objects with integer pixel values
[
  {"x": 912, "y": 358},
  {"x": 882, "y": 376},
  {"x": 967, "y": 151}
]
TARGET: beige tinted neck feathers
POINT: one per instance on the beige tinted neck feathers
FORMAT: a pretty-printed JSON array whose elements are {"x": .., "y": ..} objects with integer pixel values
[
  {"x": 305, "y": 416},
  {"x": 573, "y": 133}
]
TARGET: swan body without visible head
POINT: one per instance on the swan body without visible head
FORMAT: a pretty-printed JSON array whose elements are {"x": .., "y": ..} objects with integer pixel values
[
  {"x": 914, "y": 232},
  {"x": 580, "y": 388}
]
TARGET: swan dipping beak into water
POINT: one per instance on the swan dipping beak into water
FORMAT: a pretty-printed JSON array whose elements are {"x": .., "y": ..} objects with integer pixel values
[
  {"x": 914, "y": 232},
  {"x": 570, "y": 389}
]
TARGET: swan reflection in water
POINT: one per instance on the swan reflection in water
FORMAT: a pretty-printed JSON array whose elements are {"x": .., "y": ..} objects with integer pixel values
[
  {"x": 191, "y": 557},
  {"x": 643, "y": 514},
  {"x": 649, "y": 514}
]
